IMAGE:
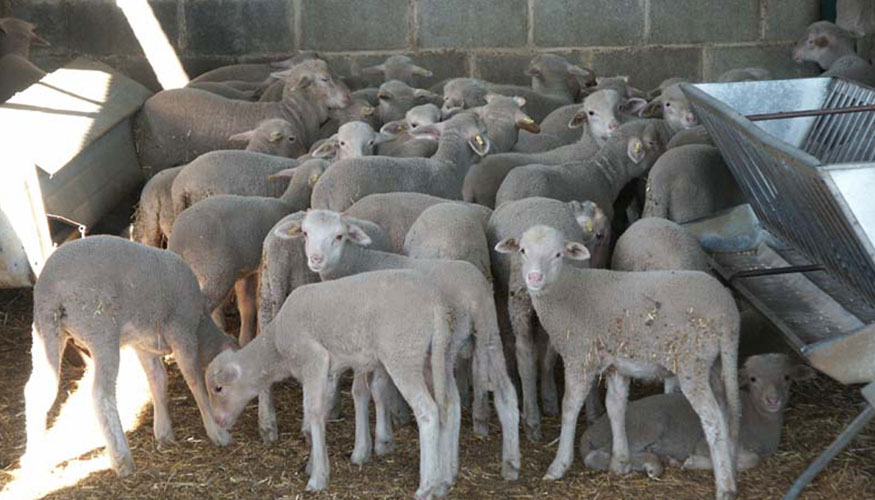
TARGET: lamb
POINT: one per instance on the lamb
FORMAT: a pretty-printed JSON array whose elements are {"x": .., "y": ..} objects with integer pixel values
[
  {"x": 17, "y": 36},
  {"x": 753, "y": 73},
  {"x": 504, "y": 119},
  {"x": 515, "y": 311},
  {"x": 674, "y": 322},
  {"x": 175, "y": 126},
  {"x": 833, "y": 49},
  {"x": 671, "y": 105},
  {"x": 690, "y": 182},
  {"x": 283, "y": 270},
  {"x": 396, "y": 98},
  {"x": 92, "y": 290},
  {"x": 451, "y": 231},
  {"x": 600, "y": 112},
  {"x": 153, "y": 220},
  {"x": 399, "y": 67},
  {"x": 628, "y": 154},
  {"x": 252, "y": 72},
  {"x": 275, "y": 137},
  {"x": 353, "y": 140},
  {"x": 17, "y": 74},
  {"x": 405, "y": 144},
  {"x": 466, "y": 93},
  {"x": 665, "y": 426},
  {"x": 221, "y": 239},
  {"x": 654, "y": 244},
  {"x": 397, "y": 212},
  {"x": 358, "y": 110},
  {"x": 336, "y": 248},
  {"x": 310, "y": 341},
  {"x": 554, "y": 75},
  {"x": 696, "y": 135},
  {"x": 461, "y": 138}
]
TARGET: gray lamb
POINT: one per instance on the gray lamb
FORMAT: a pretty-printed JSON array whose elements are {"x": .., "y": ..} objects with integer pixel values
[
  {"x": 504, "y": 119},
  {"x": 461, "y": 139},
  {"x": 515, "y": 311},
  {"x": 395, "y": 98},
  {"x": 175, "y": 126},
  {"x": 221, "y": 238},
  {"x": 405, "y": 144},
  {"x": 335, "y": 248},
  {"x": 690, "y": 182},
  {"x": 399, "y": 67},
  {"x": 353, "y": 139},
  {"x": 252, "y": 72},
  {"x": 665, "y": 426},
  {"x": 672, "y": 106},
  {"x": 17, "y": 74},
  {"x": 312, "y": 342},
  {"x": 833, "y": 49},
  {"x": 644, "y": 325},
  {"x": 17, "y": 36},
  {"x": 106, "y": 292},
  {"x": 626, "y": 155}
]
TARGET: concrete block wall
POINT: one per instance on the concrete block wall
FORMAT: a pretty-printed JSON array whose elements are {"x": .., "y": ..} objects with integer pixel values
[{"x": 649, "y": 40}]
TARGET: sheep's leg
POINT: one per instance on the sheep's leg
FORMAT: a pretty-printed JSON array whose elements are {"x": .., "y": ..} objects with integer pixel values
[
  {"x": 577, "y": 383},
  {"x": 106, "y": 365},
  {"x": 507, "y": 407},
  {"x": 616, "y": 400},
  {"x": 162, "y": 427},
  {"x": 362, "y": 399},
  {"x": 40, "y": 392},
  {"x": 267, "y": 416},
  {"x": 380, "y": 391},
  {"x": 398, "y": 407},
  {"x": 522, "y": 317},
  {"x": 697, "y": 389},
  {"x": 480, "y": 410},
  {"x": 333, "y": 397},
  {"x": 315, "y": 404},
  {"x": 549, "y": 392},
  {"x": 594, "y": 406},
  {"x": 194, "y": 377},
  {"x": 410, "y": 379},
  {"x": 245, "y": 290},
  {"x": 463, "y": 378},
  {"x": 449, "y": 430}
]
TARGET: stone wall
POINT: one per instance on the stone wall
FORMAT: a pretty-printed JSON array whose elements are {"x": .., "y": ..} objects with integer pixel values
[{"x": 647, "y": 39}]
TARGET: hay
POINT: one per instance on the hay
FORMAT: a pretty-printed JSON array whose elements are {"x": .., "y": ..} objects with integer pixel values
[{"x": 194, "y": 468}]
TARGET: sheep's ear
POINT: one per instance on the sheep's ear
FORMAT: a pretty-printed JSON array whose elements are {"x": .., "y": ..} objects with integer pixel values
[
  {"x": 311, "y": 181},
  {"x": 576, "y": 251},
  {"x": 633, "y": 105},
  {"x": 288, "y": 230},
  {"x": 508, "y": 245},
  {"x": 525, "y": 122},
  {"x": 327, "y": 149},
  {"x": 431, "y": 131},
  {"x": 275, "y": 136},
  {"x": 520, "y": 101},
  {"x": 419, "y": 70},
  {"x": 802, "y": 372},
  {"x": 367, "y": 110},
  {"x": 282, "y": 174},
  {"x": 490, "y": 96},
  {"x": 578, "y": 119},
  {"x": 357, "y": 235},
  {"x": 424, "y": 95},
  {"x": 480, "y": 144},
  {"x": 586, "y": 74},
  {"x": 381, "y": 138},
  {"x": 394, "y": 128},
  {"x": 821, "y": 41},
  {"x": 243, "y": 136},
  {"x": 652, "y": 110},
  {"x": 281, "y": 75},
  {"x": 228, "y": 374},
  {"x": 636, "y": 150},
  {"x": 532, "y": 71},
  {"x": 370, "y": 70},
  {"x": 304, "y": 82},
  {"x": 285, "y": 63},
  {"x": 38, "y": 40}
]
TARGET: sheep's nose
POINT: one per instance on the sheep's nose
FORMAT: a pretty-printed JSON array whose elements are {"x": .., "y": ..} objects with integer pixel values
[
  {"x": 773, "y": 400},
  {"x": 613, "y": 126},
  {"x": 316, "y": 259},
  {"x": 534, "y": 277},
  {"x": 691, "y": 119}
]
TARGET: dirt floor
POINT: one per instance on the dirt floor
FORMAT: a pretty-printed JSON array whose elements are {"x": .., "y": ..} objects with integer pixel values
[{"x": 194, "y": 468}]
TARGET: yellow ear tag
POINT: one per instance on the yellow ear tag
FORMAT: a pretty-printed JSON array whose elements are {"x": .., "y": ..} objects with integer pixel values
[
  {"x": 588, "y": 226},
  {"x": 637, "y": 148},
  {"x": 293, "y": 230},
  {"x": 528, "y": 120},
  {"x": 275, "y": 136},
  {"x": 401, "y": 127},
  {"x": 314, "y": 178},
  {"x": 479, "y": 140}
]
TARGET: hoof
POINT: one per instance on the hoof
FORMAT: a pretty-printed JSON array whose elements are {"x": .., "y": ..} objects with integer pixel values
[
  {"x": 481, "y": 428},
  {"x": 384, "y": 447},
  {"x": 360, "y": 457},
  {"x": 510, "y": 471},
  {"x": 221, "y": 437},
  {"x": 268, "y": 435},
  {"x": 727, "y": 495},
  {"x": 165, "y": 440},
  {"x": 621, "y": 467},
  {"x": 123, "y": 466},
  {"x": 555, "y": 472},
  {"x": 533, "y": 434},
  {"x": 424, "y": 493},
  {"x": 317, "y": 484}
]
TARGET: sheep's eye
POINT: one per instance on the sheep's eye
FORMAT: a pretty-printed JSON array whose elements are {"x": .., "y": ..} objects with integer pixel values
[
  {"x": 304, "y": 233},
  {"x": 343, "y": 143},
  {"x": 291, "y": 139},
  {"x": 414, "y": 125},
  {"x": 217, "y": 389},
  {"x": 591, "y": 113},
  {"x": 558, "y": 254},
  {"x": 786, "y": 378},
  {"x": 370, "y": 143},
  {"x": 338, "y": 237},
  {"x": 668, "y": 105},
  {"x": 523, "y": 251},
  {"x": 753, "y": 380},
  {"x": 599, "y": 235},
  {"x": 325, "y": 79}
]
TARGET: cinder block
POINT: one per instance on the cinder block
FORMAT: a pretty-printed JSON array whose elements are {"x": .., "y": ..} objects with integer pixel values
[
  {"x": 51, "y": 24},
  {"x": 775, "y": 58},
  {"x": 212, "y": 27},
  {"x": 347, "y": 25},
  {"x": 579, "y": 23},
  {"x": 503, "y": 68},
  {"x": 788, "y": 19},
  {"x": 98, "y": 27},
  {"x": 647, "y": 67},
  {"x": 472, "y": 23},
  {"x": 267, "y": 26},
  {"x": 696, "y": 21}
]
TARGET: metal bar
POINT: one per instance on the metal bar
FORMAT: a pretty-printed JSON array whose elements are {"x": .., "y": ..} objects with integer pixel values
[
  {"x": 809, "y": 112},
  {"x": 828, "y": 454},
  {"x": 772, "y": 271}
]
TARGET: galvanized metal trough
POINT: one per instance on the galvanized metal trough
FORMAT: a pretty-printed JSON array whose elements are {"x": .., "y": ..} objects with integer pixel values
[{"x": 809, "y": 176}]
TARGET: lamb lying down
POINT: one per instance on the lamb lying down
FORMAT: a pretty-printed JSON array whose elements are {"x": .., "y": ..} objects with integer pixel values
[{"x": 664, "y": 427}]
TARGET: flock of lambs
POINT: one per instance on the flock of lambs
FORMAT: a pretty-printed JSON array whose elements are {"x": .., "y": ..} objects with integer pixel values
[{"x": 423, "y": 239}]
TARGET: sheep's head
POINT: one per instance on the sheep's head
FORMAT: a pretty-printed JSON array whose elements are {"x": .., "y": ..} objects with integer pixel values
[
  {"x": 553, "y": 74},
  {"x": 592, "y": 221},
  {"x": 229, "y": 390},
  {"x": 541, "y": 250},
  {"x": 602, "y": 110},
  {"x": 275, "y": 137},
  {"x": 768, "y": 378},
  {"x": 317, "y": 82},
  {"x": 17, "y": 36},
  {"x": 399, "y": 67},
  {"x": 463, "y": 93},
  {"x": 396, "y": 98},
  {"x": 467, "y": 125},
  {"x": 326, "y": 233},
  {"x": 352, "y": 140},
  {"x": 823, "y": 43},
  {"x": 671, "y": 105}
]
